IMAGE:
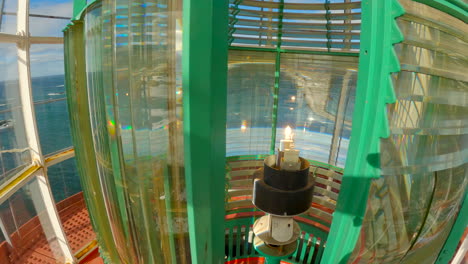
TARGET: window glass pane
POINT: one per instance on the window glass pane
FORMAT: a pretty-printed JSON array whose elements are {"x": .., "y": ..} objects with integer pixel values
[
  {"x": 49, "y": 97},
  {"x": 53, "y": 126},
  {"x": 8, "y": 24},
  {"x": 251, "y": 81},
  {"x": 47, "y": 27},
  {"x": 14, "y": 152},
  {"x": 66, "y": 189},
  {"x": 10, "y": 6},
  {"x": 27, "y": 227},
  {"x": 136, "y": 120},
  {"x": 8, "y": 16},
  {"x": 62, "y": 8},
  {"x": 64, "y": 180}
]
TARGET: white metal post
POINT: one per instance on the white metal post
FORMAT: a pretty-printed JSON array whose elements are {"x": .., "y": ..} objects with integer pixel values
[
  {"x": 49, "y": 218},
  {"x": 461, "y": 253},
  {"x": 40, "y": 189},
  {"x": 24, "y": 77}
]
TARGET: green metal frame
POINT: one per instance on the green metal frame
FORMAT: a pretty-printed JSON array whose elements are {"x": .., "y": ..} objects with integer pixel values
[
  {"x": 204, "y": 56},
  {"x": 274, "y": 113},
  {"x": 458, "y": 228},
  {"x": 377, "y": 61},
  {"x": 80, "y": 7},
  {"x": 315, "y": 52},
  {"x": 455, "y": 8}
]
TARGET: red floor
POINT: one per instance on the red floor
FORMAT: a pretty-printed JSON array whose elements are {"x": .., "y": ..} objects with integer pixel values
[{"x": 29, "y": 242}]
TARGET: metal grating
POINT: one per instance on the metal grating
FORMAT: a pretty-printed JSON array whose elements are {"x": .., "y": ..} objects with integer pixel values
[
  {"x": 238, "y": 245},
  {"x": 325, "y": 26}
]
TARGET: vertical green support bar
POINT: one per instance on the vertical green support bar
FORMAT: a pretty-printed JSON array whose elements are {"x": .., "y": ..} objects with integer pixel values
[
  {"x": 274, "y": 114},
  {"x": 204, "y": 59},
  {"x": 447, "y": 252},
  {"x": 370, "y": 123}
]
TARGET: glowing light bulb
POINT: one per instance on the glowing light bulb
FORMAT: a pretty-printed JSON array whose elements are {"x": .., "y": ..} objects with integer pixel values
[
  {"x": 244, "y": 126},
  {"x": 288, "y": 133},
  {"x": 293, "y": 98}
]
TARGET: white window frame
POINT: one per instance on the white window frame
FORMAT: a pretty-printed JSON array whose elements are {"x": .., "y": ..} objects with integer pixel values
[{"x": 36, "y": 173}]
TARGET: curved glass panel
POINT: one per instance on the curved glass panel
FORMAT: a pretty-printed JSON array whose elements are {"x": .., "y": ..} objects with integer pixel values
[
  {"x": 134, "y": 88},
  {"x": 112, "y": 197},
  {"x": 412, "y": 208},
  {"x": 77, "y": 99},
  {"x": 14, "y": 150}
]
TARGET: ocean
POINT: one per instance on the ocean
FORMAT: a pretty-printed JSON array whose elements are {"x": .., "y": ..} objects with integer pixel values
[{"x": 53, "y": 126}]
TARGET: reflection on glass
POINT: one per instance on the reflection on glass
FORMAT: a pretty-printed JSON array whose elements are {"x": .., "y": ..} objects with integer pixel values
[
  {"x": 27, "y": 227},
  {"x": 316, "y": 98},
  {"x": 412, "y": 208},
  {"x": 251, "y": 80},
  {"x": 14, "y": 151},
  {"x": 85, "y": 156}
]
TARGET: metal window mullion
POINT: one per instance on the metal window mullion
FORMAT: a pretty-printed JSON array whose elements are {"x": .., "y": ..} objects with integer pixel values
[
  {"x": 328, "y": 25},
  {"x": 339, "y": 120},
  {"x": 41, "y": 195},
  {"x": 40, "y": 181},
  {"x": 14, "y": 38},
  {"x": 274, "y": 114},
  {"x": 348, "y": 21},
  {"x": 17, "y": 182},
  {"x": 59, "y": 157},
  {"x": 2, "y": 6},
  {"x": 9, "y": 38},
  {"x": 24, "y": 77}
]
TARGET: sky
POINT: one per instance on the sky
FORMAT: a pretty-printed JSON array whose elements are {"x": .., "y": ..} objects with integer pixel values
[{"x": 45, "y": 59}]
